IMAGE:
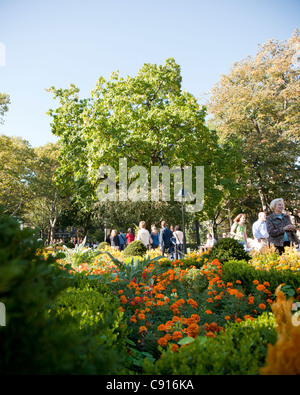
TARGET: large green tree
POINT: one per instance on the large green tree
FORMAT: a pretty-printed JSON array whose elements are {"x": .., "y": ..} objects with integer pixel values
[
  {"x": 257, "y": 104},
  {"x": 147, "y": 119},
  {"x": 47, "y": 201},
  {"x": 16, "y": 174}
]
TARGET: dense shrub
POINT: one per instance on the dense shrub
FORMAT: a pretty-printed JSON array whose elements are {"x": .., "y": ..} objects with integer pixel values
[
  {"x": 103, "y": 245},
  {"x": 96, "y": 316},
  {"x": 136, "y": 248},
  {"x": 240, "y": 350},
  {"x": 240, "y": 270},
  {"x": 227, "y": 249},
  {"x": 34, "y": 342},
  {"x": 69, "y": 244}
]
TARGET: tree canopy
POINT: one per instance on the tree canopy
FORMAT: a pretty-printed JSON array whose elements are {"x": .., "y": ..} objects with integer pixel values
[
  {"x": 258, "y": 104},
  {"x": 147, "y": 119}
]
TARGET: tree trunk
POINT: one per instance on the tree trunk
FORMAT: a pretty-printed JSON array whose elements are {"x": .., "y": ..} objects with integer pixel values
[
  {"x": 197, "y": 232},
  {"x": 263, "y": 200},
  {"x": 52, "y": 230},
  {"x": 87, "y": 223}
]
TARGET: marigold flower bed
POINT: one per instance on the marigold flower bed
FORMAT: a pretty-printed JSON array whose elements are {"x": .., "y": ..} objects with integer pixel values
[{"x": 168, "y": 307}]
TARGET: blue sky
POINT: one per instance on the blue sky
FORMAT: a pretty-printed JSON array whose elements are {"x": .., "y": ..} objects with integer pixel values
[{"x": 58, "y": 42}]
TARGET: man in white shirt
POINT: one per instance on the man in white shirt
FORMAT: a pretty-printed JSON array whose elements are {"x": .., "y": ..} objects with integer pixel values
[{"x": 260, "y": 233}]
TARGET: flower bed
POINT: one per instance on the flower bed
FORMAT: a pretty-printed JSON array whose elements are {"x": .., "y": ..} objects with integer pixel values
[{"x": 168, "y": 305}]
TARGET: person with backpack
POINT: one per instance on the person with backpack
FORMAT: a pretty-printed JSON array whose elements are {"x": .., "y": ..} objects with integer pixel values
[{"x": 122, "y": 238}]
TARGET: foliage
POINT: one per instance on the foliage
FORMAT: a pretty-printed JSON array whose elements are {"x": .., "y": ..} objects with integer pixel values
[
  {"x": 4, "y": 102},
  {"x": 257, "y": 104},
  {"x": 239, "y": 350},
  {"x": 155, "y": 123},
  {"x": 96, "y": 315},
  {"x": 136, "y": 248},
  {"x": 34, "y": 342},
  {"x": 102, "y": 245},
  {"x": 243, "y": 271},
  {"x": 16, "y": 174},
  {"x": 228, "y": 249}
]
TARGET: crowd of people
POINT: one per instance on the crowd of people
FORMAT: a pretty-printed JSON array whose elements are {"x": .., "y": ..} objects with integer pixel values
[
  {"x": 276, "y": 229},
  {"x": 167, "y": 239}
]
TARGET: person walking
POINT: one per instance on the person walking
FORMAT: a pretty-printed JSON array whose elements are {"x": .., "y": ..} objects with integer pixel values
[
  {"x": 154, "y": 238},
  {"x": 129, "y": 236},
  {"x": 178, "y": 235},
  {"x": 114, "y": 240},
  {"x": 279, "y": 226},
  {"x": 165, "y": 239},
  {"x": 122, "y": 238},
  {"x": 239, "y": 231},
  {"x": 143, "y": 234},
  {"x": 260, "y": 232}
]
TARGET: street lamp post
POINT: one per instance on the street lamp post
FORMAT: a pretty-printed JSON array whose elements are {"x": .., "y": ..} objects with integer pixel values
[{"x": 182, "y": 194}]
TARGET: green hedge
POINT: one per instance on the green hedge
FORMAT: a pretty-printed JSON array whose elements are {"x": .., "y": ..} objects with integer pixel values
[
  {"x": 227, "y": 249},
  {"x": 241, "y": 270},
  {"x": 241, "y": 350},
  {"x": 96, "y": 316},
  {"x": 136, "y": 248},
  {"x": 34, "y": 340}
]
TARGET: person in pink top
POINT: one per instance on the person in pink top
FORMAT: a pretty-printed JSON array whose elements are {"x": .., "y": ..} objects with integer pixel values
[{"x": 129, "y": 236}]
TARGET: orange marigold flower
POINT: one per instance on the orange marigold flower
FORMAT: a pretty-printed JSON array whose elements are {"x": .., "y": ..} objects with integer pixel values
[
  {"x": 260, "y": 287},
  {"x": 227, "y": 317},
  {"x": 255, "y": 282},
  {"x": 161, "y": 327},
  {"x": 174, "y": 347},
  {"x": 266, "y": 284},
  {"x": 162, "y": 341},
  {"x": 142, "y": 329},
  {"x": 208, "y": 312},
  {"x": 195, "y": 317},
  {"x": 210, "y": 334},
  {"x": 238, "y": 320},
  {"x": 133, "y": 319},
  {"x": 193, "y": 303},
  {"x": 177, "y": 335},
  {"x": 262, "y": 306},
  {"x": 238, "y": 282},
  {"x": 120, "y": 291},
  {"x": 141, "y": 316}
]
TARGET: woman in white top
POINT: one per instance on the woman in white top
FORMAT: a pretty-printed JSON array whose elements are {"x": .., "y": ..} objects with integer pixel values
[
  {"x": 178, "y": 235},
  {"x": 143, "y": 234},
  {"x": 210, "y": 241}
]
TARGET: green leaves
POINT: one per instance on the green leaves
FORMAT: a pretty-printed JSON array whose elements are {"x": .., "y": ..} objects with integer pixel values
[
  {"x": 147, "y": 119},
  {"x": 186, "y": 340}
]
